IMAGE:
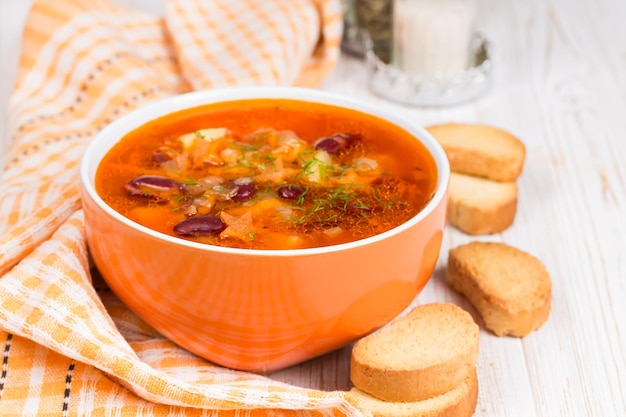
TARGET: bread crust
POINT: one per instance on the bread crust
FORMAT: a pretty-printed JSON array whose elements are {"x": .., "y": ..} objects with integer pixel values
[
  {"x": 510, "y": 289},
  {"x": 478, "y": 206},
  {"x": 421, "y": 355},
  {"x": 481, "y": 150},
  {"x": 460, "y": 401}
]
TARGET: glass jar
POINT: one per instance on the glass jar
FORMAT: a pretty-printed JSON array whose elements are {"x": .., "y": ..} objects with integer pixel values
[
  {"x": 438, "y": 58},
  {"x": 368, "y": 19},
  {"x": 431, "y": 36}
]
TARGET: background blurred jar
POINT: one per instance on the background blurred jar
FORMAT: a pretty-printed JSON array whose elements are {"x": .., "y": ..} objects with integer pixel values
[{"x": 431, "y": 36}]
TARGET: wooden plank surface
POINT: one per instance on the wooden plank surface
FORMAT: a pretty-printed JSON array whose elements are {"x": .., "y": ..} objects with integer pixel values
[{"x": 559, "y": 85}]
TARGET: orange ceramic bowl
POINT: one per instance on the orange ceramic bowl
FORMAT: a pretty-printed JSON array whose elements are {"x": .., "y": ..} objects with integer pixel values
[{"x": 261, "y": 310}]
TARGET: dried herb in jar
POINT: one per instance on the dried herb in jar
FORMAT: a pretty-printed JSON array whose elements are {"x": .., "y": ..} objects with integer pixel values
[{"x": 373, "y": 16}]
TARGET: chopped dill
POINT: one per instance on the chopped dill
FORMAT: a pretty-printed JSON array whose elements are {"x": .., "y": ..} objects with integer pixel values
[
  {"x": 300, "y": 200},
  {"x": 250, "y": 147},
  {"x": 244, "y": 163},
  {"x": 265, "y": 161},
  {"x": 308, "y": 166},
  {"x": 221, "y": 189},
  {"x": 344, "y": 170}
]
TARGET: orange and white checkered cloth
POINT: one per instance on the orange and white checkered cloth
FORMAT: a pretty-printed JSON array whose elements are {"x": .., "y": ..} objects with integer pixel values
[{"x": 68, "y": 346}]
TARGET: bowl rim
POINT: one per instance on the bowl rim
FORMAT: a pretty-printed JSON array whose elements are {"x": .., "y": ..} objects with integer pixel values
[{"x": 102, "y": 143}]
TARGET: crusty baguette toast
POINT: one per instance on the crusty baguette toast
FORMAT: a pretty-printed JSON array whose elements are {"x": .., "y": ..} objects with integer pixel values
[
  {"x": 481, "y": 150},
  {"x": 460, "y": 401},
  {"x": 480, "y": 206},
  {"x": 511, "y": 289},
  {"x": 422, "y": 354}
]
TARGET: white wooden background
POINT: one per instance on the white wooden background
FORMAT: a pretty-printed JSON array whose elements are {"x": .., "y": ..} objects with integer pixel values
[{"x": 559, "y": 85}]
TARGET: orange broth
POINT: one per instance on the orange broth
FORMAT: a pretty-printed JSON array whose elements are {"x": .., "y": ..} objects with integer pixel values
[{"x": 266, "y": 174}]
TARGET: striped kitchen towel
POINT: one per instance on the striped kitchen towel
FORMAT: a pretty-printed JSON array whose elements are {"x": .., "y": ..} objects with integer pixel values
[{"x": 69, "y": 346}]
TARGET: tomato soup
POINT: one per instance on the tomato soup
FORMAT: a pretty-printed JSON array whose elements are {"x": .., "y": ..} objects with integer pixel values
[{"x": 268, "y": 174}]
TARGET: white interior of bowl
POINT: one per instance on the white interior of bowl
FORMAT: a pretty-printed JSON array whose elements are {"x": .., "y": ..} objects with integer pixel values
[{"x": 111, "y": 134}]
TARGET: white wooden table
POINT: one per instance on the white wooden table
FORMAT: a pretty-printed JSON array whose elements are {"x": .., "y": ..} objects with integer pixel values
[{"x": 560, "y": 86}]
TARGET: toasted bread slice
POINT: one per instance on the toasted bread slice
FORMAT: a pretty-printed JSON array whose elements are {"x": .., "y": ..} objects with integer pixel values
[
  {"x": 480, "y": 150},
  {"x": 511, "y": 289},
  {"x": 425, "y": 353},
  {"x": 480, "y": 206},
  {"x": 460, "y": 401}
]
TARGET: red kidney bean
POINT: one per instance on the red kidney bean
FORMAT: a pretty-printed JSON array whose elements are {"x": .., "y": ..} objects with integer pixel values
[
  {"x": 154, "y": 188},
  {"x": 160, "y": 157},
  {"x": 334, "y": 144},
  {"x": 329, "y": 145},
  {"x": 290, "y": 192},
  {"x": 200, "y": 226},
  {"x": 244, "y": 192}
]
